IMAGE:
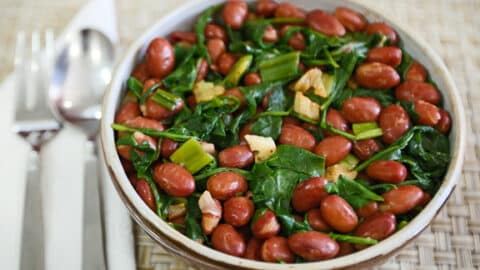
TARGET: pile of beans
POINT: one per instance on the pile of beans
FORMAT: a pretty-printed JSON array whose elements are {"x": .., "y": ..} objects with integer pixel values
[{"x": 228, "y": 210}]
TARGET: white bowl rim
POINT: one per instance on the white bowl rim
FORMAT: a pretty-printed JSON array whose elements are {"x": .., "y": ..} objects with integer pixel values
[{"x": 217, "y": 259}]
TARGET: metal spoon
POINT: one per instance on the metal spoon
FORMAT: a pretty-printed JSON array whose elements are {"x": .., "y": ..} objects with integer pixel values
[{"x": 81, "y": 73}]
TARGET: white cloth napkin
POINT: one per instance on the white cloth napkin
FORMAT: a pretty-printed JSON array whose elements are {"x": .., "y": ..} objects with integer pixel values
[{"x": 62, "y": 178}]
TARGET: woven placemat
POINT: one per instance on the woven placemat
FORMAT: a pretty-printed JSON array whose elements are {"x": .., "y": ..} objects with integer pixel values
[{"x": 450, "y": 26}]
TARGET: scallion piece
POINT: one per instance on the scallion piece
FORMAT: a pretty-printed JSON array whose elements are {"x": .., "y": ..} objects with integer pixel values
[
  {"x": 369, "y": 134},
  {"x": 152, "y": 132},
  {"x": 191, "y": 156},
  {"x": 280, "y": 68},
  {"x": 363, "y": 127},
  {"x": 238, "y": 70},
  {"x": 353, "y": 239},
  {"x": 166, "y": 99},
  {"x": 135, "y": 86}
]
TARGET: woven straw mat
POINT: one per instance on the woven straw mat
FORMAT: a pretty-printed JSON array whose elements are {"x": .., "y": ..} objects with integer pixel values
[{"x": 450, "y": 26}]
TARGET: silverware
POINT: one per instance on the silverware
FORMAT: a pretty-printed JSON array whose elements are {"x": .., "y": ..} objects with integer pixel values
[
  {"x": 37, "y": 125},
  {"x": 82, "y": 72}
]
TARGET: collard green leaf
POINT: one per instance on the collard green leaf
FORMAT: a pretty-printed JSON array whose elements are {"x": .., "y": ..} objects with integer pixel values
[
  {"x": 298, "y": 160},
  {"x": 192, "y": 220},
  {"x": 356, "y": 194}
]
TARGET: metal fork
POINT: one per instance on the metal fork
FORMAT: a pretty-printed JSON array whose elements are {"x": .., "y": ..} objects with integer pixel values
[{"x": 36, "y": 124}]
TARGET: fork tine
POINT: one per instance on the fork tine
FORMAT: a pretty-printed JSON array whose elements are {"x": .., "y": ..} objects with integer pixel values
[{"x": 19, "y": 63}]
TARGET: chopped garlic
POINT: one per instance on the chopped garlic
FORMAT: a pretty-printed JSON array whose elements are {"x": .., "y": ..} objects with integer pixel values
[
  {"x": 262, "y": 147},
  {"x": 304, "y": 106},
  {"x": 206, "y": 91},
  {"x": 333, "y": 172},
  {"x": 315, "y": 80}
]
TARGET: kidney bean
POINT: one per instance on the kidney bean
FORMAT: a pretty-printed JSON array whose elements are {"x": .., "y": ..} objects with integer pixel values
[
  {"x": 238, "y": 156},
  {"x": 266, "y": 8},
  {"x": 426, "y": 199},
  {"x": 132, "y": 178},
  {"x": 226, "y": 239},
  {"x": 254, "y": 246},
  {"x": 361, "y": 109},
  {"x": 189, "y": 37},
  {"x": 387, "y": 171},
  {"x": 428, "y": 114},
  {"x": 245, "y": 131},
  {"x": 128, "y": 111},
  {"x": 445, "y": 122},
  {"x": 143, "y": 122},
  {"x": 416, "y": 72},
  {"x": 352, "y": 20},
  {"x": 202, "y": 71},
  {"x": 287, "y": 10},
  {"x": 313, "y": 246},
  {"x": 125, "y": 150},
  {"x": 290, "y": 120},
  {"x": 345, "y": 249},
  {"x": 152, "y": 109},
  {"x": 308, "y": 194},
  {"x": 377, "y": 227},
  {"x": 234, "y": 13},
  {"x": 412, "y": 91},
  {"x": 315, "y": 219},
  {"x": 191, "y": 102},
  {"x": 174, "y": 179},
  {"x": 140, "y": 72},
  {"x": 215, "y": 47},
  {"x": 276, "y": 249},
  {"x": 226, "y": 62},
  {"x": 149, "y": 83},
  {"x": 336, "y": 120},
  {"x": 160, "y": 58},
  {"x": 215, "y": 31},
  {"x": 368, "y": 209},
  {"x": 270, "y": 34},
  {"x": 376, "y": 76},
  {"x": 238, "y": 211},
  {"x": 394, "y": 122},
  {"x": 297, "y": 41},
  {"x": 325, "y": 23},
  {"x": 168, "y": 147},
  {"x": 364, "y": 149},
  {"x": 266, "y": 226},
  {"x": 235, "y": 92},
  {"x": 383, "y": 29},
  {"x": 252, "y": 78},
  {"x": 129, "y": 169},
  {"x": 297, "y": 136},
  {"x": 225, "y": 185},
  {"x": 388, "y": 55},
  {"x": 145, "y": 192},
  {"x": 333, "y": 149},
  {"x": 401, "y": 200},
  {"x": 338, "y": 213}
]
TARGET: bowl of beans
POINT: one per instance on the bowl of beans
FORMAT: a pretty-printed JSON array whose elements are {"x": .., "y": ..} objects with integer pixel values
[{"x": 282, "y": 134}]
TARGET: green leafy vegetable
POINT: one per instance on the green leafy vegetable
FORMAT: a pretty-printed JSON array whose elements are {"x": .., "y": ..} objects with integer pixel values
[
  {"x": 352, "y": 239},
  {"x": 191, "y": 156},
  {"x": 269, "y": 124},
  {"x": 280, "y": 68},
  {"x": 192, "y": 220},
  {"x": 354, "y": 193},
  {"x": 166, "y": 99},
  {"x": 135, "y": 86}
]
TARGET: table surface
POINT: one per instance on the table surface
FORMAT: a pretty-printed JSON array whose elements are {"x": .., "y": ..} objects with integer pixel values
[{"x": 450, "y": 27}]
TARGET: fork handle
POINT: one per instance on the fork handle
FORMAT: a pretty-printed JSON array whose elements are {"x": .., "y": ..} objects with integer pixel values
[{"x": 32, "y": 247}]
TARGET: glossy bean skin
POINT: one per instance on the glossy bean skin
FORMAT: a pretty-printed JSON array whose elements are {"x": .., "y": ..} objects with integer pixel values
[
  {"x": 202, "y": 71},
  {"x": 276, "y": 249},
  {"x": 140, "y": 72},
  {"x": 287, "y": 10},
  {"x": 235, "y": 13},
  {"x": 376, "y": 76},
  {"x": 253, "y": 251},
  {"x": 428, "y": 114},
  {"x": 313, "y": 246},
  {"x": 236, "y": 92},
  {"x": 125, "y": 150},
  {"x": 352, "y": 20},
  {"x": 416, "y": 72},
  {"x": 227, "y": 240},
  {"x": 226, "y": 62},
  {"x": 128, "y": 111},
  {"x": 238, "y": 211},
  {"x": 252, "y": 78},
  {"x": 412, "y": 91},
  {"x": 345, "y": 249},
  {"x": 321, "y": 21},
  {"x": 308, "y": 194},
  {"x": 297, "y": 42},
  {"x": 394, "y": 122},
  {"x": 215, "y": 47},
  {"x": 361, "y": 109},
  {"x": 290, "y": 120},
  {"x": 338, "y": 214},
  {"x": 315, "y": 219},
  {"x": 149, "y": 83},
  {"x": 225, "y": 185},
  {"x": 143, "y": 122},
  {"x": 445, "y": 122},
  {"x": 297, "y": 136},
  {"x": 160, "y": 58},
  {"x": 388, "y": 55},
  {"x": 334, "y": 149},
  {"x": 174, "y": 179},
  {"x": 387, "y": 171},
  {"x": 367, "y": 210},
  {"x": 266, "y": 8},
  {"x": 384, "y": 29},
  {"x": 145, "y": 192},
  {"x": 215, "y": 31},
  {"x": 270, "y": 34},
  {"x": 378, "y": 227},
  {"x": 238, "y": 156},
  {"x": 401, "y": 200},
  {"x": 336, "y": 120},
  {"x": 189, "y": 37},
  {"x": 364, "y": 149},
  {"x": 266, "y": 226},
  {"x": 168, "y": 147},
  {"x": 152, "y": 109}
]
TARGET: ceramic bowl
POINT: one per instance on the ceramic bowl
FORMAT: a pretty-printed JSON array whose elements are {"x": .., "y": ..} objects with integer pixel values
[{"x": 202, "y": 256}]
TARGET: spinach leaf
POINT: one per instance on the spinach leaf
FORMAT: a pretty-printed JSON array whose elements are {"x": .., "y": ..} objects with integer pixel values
[
  {"x": 410, "y": 109},
  {"x": 297, "y": 160},
  {"x": 135, "y": 86},
  {"x": 254, "y": 30},
  {"x": 183, "y": 77},
  {"x": 269, "y": 125},
  {"x": 354, "y": 193},
  {"x": 290, "y": 225},
  {"x": 203, "y": 20},
  {"x": 404, "y": 65},
  {"x": 192, "y": 220}
]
